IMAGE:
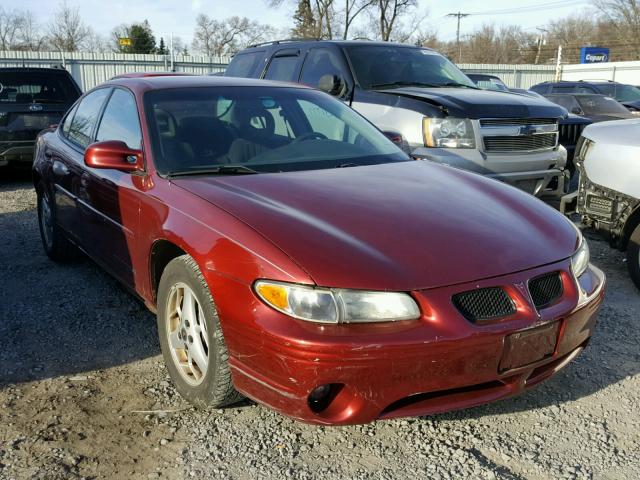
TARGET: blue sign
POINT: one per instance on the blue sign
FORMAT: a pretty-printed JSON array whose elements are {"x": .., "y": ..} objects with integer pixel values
[{"x": 594, "y": 55}]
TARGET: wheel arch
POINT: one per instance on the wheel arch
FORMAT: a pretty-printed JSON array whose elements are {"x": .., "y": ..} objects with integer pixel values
[
  {"x": 630, "y": 225},
  {"x": 161, "y": 253}
]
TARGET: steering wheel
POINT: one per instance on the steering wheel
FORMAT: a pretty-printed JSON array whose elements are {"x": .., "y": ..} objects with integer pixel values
[{"x": 309, "y": 136}]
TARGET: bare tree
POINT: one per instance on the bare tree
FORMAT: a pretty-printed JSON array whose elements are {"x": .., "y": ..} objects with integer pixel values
[
  {"x": 10, "y": 22},
  {"x": 226, "y": 37},
  {"x": 67, "y": 31},
  {"x": 30, "y": 36},
  {"x": 624, "y": 16},
  {"x": 389, "y": 12},
  {"x": 325, "y": 18},
  {"x": 352, "y": 9}
]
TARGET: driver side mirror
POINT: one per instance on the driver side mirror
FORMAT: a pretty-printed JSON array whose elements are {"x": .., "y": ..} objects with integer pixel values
[
  {"x": 113, "y": 154},
  {"x": 332, "y": 84},
  {"x": 577, "y": 111}
]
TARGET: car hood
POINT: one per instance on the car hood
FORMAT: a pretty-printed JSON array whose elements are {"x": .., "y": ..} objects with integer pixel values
[
  {"x": 470, "y": 103},
  {"x": 401, "y": 226},
  {"x": 632, "y": 105}
]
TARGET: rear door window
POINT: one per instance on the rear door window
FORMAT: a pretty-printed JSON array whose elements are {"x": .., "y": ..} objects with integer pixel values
[
  {"x": 243, "y": 64},
  {"x": 84, "y": 121},
  {"x": 283, "y": 68},
  {"x": 36, "y": 87},
  {"x": 120, "y": 120}
]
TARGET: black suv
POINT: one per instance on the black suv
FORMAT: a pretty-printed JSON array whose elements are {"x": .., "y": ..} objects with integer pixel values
[
  {"x": 628, "y": 95},
  {"x": 31, "y": 99}
]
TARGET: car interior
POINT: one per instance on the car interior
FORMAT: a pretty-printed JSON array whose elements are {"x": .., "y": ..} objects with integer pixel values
[{"x": 223, "y": 132}]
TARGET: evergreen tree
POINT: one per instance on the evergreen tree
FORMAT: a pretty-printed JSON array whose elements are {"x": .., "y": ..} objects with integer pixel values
[
  {"x": 305, "y": 25},
  {"x": 142, "y": 39},
  {"x": 162, "y": 49}
]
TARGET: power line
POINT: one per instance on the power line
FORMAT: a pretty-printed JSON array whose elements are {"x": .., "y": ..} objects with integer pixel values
[{"x": 532, "y": 8}]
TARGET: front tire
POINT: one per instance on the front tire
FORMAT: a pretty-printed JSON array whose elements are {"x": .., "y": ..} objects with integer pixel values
[
  {"x": 55, "y": 244},
  {"x": 633, "y": 256},
  {"x": 191, "y": 338}
]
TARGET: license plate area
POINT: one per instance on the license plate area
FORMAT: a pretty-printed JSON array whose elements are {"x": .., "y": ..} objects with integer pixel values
[{"x": 529, "y": 346}]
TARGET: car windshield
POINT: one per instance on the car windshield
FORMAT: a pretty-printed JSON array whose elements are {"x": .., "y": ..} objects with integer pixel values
[
  {"x": 240, "y": 130},
  {"x": 35, "y": 87},
  {"x": 600, "y": 105},
  {"x": 622, "y": 93},
  {"x": 388, "y": 66},
  {"x": 489, "y": 83}
]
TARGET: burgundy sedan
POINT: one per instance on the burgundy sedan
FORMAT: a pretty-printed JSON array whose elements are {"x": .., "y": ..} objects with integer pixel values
[{"x": 294, "y": 255}]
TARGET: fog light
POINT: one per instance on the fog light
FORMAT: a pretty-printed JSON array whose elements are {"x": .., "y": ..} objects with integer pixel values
[{"x": 321, "y": 397}]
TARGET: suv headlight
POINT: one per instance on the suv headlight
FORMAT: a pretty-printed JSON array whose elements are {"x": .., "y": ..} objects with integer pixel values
[
  {"x": 580, "y": 259},
  {"x": 325, "y": 305},
  {"x": 448, "y": 132}
]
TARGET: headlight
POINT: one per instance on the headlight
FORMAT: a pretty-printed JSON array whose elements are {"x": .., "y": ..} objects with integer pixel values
[
  {"x": 448, "y": 132},
  {"x": 584, "y": 148},
  {"x": 580, "y": 259},
  {"x": 325, "y": 305}
]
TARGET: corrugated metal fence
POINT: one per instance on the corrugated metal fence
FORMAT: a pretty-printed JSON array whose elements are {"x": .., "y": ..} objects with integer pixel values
[
  {"x": 91, "y": 69},
  {"x": 515, "y": 76}
]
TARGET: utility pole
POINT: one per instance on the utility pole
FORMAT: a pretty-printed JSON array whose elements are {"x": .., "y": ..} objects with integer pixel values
[
  {"x": 559, "y": 64},
  {"x": 460, "y": 16},
  {"x": 540, "y": 42}
]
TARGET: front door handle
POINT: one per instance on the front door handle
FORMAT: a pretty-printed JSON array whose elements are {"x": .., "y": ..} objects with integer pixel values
[{"x": 60, "y": 169}]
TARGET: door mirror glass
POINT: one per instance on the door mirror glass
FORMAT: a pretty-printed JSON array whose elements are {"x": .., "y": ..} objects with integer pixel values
[{"x": 113, "y": 154}]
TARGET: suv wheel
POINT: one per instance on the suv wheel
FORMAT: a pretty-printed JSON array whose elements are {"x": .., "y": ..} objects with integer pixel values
[
  {"x": 191, "y": 339},
  {"x": 633, "y": 256}
]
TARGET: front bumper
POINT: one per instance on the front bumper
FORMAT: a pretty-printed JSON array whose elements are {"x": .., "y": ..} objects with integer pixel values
[
  {"x": 542, "y": 174},
  {"x": 19, "y": 152},
  {"x": 438, "y": 363}
]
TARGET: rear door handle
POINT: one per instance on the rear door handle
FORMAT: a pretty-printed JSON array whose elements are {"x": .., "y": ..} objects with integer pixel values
[{"x": 60, "y": 168}]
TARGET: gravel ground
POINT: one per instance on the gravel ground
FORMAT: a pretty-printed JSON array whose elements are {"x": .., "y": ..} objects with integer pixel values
[{"x": 84, "y": 394}]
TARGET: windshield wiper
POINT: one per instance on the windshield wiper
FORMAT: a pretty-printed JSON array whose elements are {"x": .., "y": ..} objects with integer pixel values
[
  {"x": 221, "y": 170},
  {"x": 403, "y": 83},
  {"x": 456, "y": 84}
]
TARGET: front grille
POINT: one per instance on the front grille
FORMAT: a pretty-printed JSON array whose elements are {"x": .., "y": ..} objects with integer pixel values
[
  {"x": 491, "y": 122},
  {"x": 520, "y": 142},
  {"x": 545, "y": 289},
  {"x": 484, "y": 304},
  {"x": 570, "y": 133}
]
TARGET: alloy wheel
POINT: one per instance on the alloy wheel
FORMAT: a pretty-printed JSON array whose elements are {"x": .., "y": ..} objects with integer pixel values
[
  {"x": 187, "y": 334},
  {"x": 46, "y": 220}
]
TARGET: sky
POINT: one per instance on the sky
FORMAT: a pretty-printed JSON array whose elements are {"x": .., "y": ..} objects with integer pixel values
[{"x": 178, "y": 16}]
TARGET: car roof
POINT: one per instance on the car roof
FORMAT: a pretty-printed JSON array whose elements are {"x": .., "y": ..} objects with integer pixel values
[
  {"x": 486, "y": 75},
  {"x": 319, "y": 42},
  {"x": 145, "y": 83},
  {"x": 59, "y": 69},
  {"x": 582, "y": 82}
]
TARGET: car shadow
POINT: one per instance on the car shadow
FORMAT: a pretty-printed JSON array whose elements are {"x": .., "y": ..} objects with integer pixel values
[{"x": 60, "y": 319}]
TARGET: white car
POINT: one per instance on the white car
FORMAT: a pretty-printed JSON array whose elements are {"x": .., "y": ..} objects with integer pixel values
[{"x": 608, "y": 159}]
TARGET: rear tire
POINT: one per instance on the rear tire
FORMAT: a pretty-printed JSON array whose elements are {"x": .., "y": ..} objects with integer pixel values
[
  {"x": 55, "y": 244},
  {"x": 633, "y": 256},
  {"x": 191, "y": 339}
]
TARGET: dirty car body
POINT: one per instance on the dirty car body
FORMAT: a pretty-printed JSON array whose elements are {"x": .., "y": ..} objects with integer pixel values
[
  {"x": 609, "y": 192},
  {"x": 443, "y": 289}
]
